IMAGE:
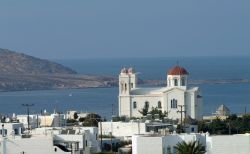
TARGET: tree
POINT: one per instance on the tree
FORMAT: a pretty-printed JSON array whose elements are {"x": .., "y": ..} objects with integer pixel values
[
  {"x": 75, "y": 116},
  {"x": 144, "y": 111},
  {"x": 91, "y": 119},
  {"x": 232, "y": 125},
  {"x": 154, "y": 111},
  {"x": 202, "y": 126},
  {"x": 180, "y": 129},
  {"x": 117, "y": 118},
  {"x": 218, "y": 126},
  {"x": 190, "y": 148},
  {"x": 81, "y": 119}
]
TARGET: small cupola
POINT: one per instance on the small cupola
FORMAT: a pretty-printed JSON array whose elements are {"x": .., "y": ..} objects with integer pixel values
[
  {"x": 177, "y": 70},
  {"x": 177, "y": 76}
]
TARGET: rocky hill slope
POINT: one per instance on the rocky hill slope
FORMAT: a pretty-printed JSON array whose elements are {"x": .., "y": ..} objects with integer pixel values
[
  {"x": 22, "y": 72},
  {"x": 18, "y": 63}
]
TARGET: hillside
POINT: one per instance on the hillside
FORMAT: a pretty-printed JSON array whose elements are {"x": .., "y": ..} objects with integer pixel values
[
  {"x": 20, "y": 72},
  {"x": 18, "y": 63}
]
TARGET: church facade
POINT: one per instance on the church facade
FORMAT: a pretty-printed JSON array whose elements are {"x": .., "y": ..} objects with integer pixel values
[{"x": 175, "y": 97}]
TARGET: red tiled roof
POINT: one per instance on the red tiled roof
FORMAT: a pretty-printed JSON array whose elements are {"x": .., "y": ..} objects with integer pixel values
[{"x": 177, "y": 70}]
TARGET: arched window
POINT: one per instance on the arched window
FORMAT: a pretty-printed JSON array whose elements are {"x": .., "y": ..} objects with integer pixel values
[
  {"x": 125, "y": 87},
  {"x": 168, "y": 150},
  {"x": 175, "y": 82},
  {"x": 182, "y": 81},
  {"x": 134, "y": 105},
  {"x": 159, "y": 104},
  {"x": 146, "y": 105},
  {"x": 169, "y": 82},
  {"x": 174, "y": 103},
  {"x": 122, "y": 88}
]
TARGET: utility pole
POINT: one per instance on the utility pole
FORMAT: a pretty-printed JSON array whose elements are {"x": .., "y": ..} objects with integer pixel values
[
  {"x": 111, "y": 145},
  {"x": 101, "y": 133},
  {"x": 182, "y": 111},
  {"x": 229, "y": 128},
  {"x": 112, "y": 110},
  {"x": 59, "y": 119},
  {"x": 65, "y": 121},
  {"x": 100, "y": 121},
  {"x": 28, "y": 113},
  {"x": 37, "y": 121}
]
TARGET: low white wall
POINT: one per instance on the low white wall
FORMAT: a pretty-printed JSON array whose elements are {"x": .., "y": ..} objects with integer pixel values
[
  {"x": 148, "y": 144},
  {"x": 34, "y": 145},
  {"x": 123, "y": 129},
  {"x": 229, "y": 144}
]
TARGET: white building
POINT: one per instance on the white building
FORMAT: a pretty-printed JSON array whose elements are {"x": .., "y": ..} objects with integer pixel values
[
  {"x": 52, "y": 120},
  {"x": 70, "y": 114},
  {"x": 156, "y": 144},
  {"x": 36, "y": 144},
  {"x": 92, "y": 136},
  {"x": 222, "y": 110},
  {"x": 176, "y": 95},
  {"x": 125, "y": 130},
  {"x": 229, "y": 144},
  {"x": 219, "y": 144},
  {"x": 50, "y": 140},
  {"x": 24, "y": 120},
  {"x": 11, "y": 129}
]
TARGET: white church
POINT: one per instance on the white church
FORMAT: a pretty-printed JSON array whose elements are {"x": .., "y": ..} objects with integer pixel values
[{"x": 176, "y": 96}]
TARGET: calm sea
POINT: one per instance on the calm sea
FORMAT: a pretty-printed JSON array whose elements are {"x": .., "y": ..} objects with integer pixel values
[{"x": 100, "y": 100}]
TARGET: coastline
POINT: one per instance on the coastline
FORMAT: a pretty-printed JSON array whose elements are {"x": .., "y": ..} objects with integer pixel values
[{"x": 31, "y": 82}]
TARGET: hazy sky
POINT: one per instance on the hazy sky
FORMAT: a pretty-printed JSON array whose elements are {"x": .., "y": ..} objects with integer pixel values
[{"x": 130, "y": 28}]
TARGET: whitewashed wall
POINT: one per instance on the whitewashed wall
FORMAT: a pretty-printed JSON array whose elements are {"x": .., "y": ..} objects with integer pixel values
[
  {"x": 140, "y": 101},
  {"x": 229, "y": 144},
  {"x": 35, "y": 145},
  {"x": 159, "y": 144},
  {"x": 123, "y": 129}
]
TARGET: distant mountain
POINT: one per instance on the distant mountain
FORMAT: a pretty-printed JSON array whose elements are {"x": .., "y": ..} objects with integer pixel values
[
  {"x": 19, "y": 72},
  {"x": 17, "y": 63}
]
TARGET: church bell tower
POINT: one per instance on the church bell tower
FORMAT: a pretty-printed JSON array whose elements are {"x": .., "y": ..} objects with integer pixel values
[{"x": 127, "y": 81}]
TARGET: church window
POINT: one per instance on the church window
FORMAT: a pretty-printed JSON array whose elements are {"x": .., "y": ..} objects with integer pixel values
[
  {"x": 168, "y": 150},
  {"x": 159, "y": 104},
  {"x": 125, "y": 87},
  {"x": 183, "y": 82},
  {"x": 146, "y": 105},
  {"x": 174, "y": 150},
  {"x": 173, "y": 103},
  {"x": 175, "y": 82},
  {"x": 122, "y": 88},
  {"x": 134, "y": 105}
]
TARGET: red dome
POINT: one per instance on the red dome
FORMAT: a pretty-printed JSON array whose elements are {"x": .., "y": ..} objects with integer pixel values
[{"x": 177, "y": 70}]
